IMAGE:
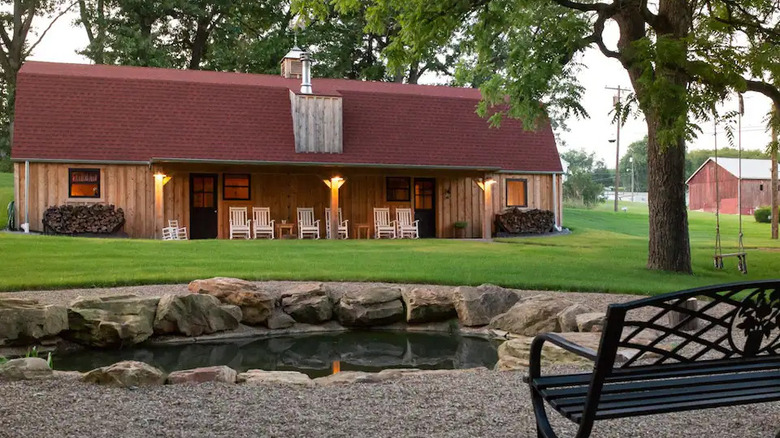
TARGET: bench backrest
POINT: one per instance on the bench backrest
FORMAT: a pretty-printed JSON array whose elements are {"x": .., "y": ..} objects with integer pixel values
[{"x": 736, "y": 322}]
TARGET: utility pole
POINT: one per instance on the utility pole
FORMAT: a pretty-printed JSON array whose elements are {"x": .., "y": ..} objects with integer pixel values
[
  {"x": 631, "y": 160},
  {"x": 616, "y": 102}
]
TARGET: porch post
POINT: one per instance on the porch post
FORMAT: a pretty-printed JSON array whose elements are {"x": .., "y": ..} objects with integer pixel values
[
  {"x": 335, "y": 184},
  {"x": 159, "y": 182},
  {"x": 487, "y": 216}
]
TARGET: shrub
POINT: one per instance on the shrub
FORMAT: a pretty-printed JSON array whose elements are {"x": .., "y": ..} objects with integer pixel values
[
  {"x": 763, "y": 215},
  {"x": 6, "y": 165}
]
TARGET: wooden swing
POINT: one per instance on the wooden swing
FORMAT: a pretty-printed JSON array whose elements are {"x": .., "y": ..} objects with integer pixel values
[{"x": 741, "y": 255}]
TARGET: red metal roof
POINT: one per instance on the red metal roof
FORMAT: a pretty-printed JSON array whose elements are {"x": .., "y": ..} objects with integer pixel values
[{"x": 109, "y": 113}]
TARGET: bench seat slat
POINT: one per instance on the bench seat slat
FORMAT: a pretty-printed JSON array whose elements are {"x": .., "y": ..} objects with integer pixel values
[
  {"x": 714, "y": 386},
  {"x": 684, "y": 406},
  {"x": 655, "y": 401},
  {"x": 645, "y": 385}
]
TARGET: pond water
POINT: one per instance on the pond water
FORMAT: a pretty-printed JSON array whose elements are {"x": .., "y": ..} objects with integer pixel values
[{"x": 316, "y": 355}]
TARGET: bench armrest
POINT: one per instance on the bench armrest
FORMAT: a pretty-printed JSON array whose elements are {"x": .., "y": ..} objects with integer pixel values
[{"x": 535, "y": 362}]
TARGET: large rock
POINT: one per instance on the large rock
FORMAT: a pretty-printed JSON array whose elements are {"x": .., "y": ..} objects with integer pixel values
[
  {"x": 514, "y": 354},
  {"x": 478, "y": 305},
  {"x": 28, "y": 368},
  {"x": 260, "y": 377},
  {"x": 23, "y": 321},
  {"x": 194, "y": 315},
  {"x": 279, "y": 320},
  {"x": 256, "y": 304},
  {"x": 567, "y": 319},
  {"x": 128, "y": 373},
  {"x": 222, "y": 374},
  {"x": 111, "y": 321},
  {"x": 308, "y": 303},
  {"x": 427, "y": 305},
  {"x": 531, "y": 316},
  {"x": 378, "y": 305},
  {"x": 591, "y": 322}
]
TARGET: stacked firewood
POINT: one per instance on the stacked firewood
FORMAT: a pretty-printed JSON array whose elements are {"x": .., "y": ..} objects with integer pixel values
[
  {"x": 81, "y": 219},
  {"x": 518, "y": 221}
]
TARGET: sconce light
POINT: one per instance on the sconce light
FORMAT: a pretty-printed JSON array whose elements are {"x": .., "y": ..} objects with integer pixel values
[
  {"x": 447, "y": 194},
  {"x": 482, "y": 183},
  {"x": 336, "y": 182}
]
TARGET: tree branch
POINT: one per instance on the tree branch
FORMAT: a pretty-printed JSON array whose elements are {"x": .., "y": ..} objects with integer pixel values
[
  {"x": 584, "y": 7},
  {"x": 43, "y": 34},
  {"x": 766, "y": 89}
]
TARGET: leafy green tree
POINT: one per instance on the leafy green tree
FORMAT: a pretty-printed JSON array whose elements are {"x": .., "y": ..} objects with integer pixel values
[
  {"x": 682, "y": 57},
  {"x": 580, "y": 186}
]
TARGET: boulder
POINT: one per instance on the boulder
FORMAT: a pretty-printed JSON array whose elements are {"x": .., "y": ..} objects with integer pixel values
[
  {"x": 256, "y": 304},
  {"x": 111, "y": 321},
  {"x": 194, "y": 315},
  {"x": 514, "y": 354},
  {"x": 427, "y": 305},
  {"x": 378, "y": 305},
  {"x": 24, "y": 321},
  {"x": 308, "y": 303},
  {"x": 591, "y": 322},
  {"x": 350, "y": 377},
  {"x": 222, "y": 374},
  {"x": 476, "y": 306},
  {"x": 279, "y": 320},
  {"x": 567, "y": 318},
  {"x": 28, "y": 368},
  {"x": 531, "y": 316},
  {"x": 128, "y": 373},
  {"x": 260, "y": 377}
]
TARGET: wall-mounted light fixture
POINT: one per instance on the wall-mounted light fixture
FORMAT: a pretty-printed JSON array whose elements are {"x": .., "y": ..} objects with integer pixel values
[
  {"x": 482, "y": 183},
  {"x": 336, "y": 182}
]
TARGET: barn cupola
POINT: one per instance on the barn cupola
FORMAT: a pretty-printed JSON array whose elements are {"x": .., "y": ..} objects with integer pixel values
[{"x": 292, "y": 64}]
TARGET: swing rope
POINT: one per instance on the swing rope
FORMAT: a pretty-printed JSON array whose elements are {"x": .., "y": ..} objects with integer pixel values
[{"x": 718, "y": 249}]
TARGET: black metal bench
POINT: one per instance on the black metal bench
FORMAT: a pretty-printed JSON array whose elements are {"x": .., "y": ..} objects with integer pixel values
[{"x": 732, "y": 358}]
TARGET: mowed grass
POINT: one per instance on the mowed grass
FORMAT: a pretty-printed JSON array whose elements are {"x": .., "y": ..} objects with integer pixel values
[
  {"x": 606, "y": 252},
  {"x": 6, "y": 196}
]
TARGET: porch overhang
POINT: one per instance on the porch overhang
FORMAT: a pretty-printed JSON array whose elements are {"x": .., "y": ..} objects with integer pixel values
[{"x": 320, "y": 164}]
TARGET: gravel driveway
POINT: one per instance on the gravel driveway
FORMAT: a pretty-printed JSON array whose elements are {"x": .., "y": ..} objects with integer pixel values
[{"x": 468, "y": 404}]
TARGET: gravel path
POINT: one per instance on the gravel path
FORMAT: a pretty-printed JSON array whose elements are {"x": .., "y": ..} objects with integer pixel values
[{"x": 469, "y": 404}]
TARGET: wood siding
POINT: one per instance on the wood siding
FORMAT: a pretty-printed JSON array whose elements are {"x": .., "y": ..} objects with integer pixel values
[
  {"x": 282, "y": 190},
  {"x": 129, "y": 187},
  {"x": 317, "y": 123},
  {"x": 702, "y": 191}
]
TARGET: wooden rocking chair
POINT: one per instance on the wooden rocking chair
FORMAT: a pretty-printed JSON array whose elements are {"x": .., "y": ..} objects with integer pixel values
[
  {"x": 307, "y": 226},
  {"x": 406, "y": 226},
  {"x": 343, "y": 225},
  {"x": 383, "y": 226},
  {"x": 239, "y": 223},
  {"x": 262, "y": 223}
]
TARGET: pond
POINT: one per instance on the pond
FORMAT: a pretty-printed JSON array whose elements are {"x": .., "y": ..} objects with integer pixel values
[{"x": 316, "y": 355}]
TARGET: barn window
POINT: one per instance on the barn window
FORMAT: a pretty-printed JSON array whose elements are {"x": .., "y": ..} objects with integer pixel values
[
  {"x": 399, "y": 189},
  {"x": 236, "y": 187},
  {"x": 516, "y": 193},
  {"x": 84, "y": 183},
  {"x": 761, "y": 187}
]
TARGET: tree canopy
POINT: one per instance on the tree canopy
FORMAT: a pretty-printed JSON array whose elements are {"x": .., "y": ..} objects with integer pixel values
[{"x": 683, "y": 58}]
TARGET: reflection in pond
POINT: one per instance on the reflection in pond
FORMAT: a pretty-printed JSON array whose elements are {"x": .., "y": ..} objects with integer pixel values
[{"x": 316, "y": 355}]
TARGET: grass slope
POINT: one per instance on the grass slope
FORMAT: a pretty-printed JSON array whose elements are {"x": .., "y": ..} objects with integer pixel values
[
  {"x": 6, "y": 196},
  {"x": 606, "y": 252}
]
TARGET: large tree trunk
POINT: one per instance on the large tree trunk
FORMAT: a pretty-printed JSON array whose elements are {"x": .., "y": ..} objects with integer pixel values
[{"x": 669, "y": 247}]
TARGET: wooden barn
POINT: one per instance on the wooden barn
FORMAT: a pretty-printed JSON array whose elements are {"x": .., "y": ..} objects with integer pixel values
[
  {"x": 756, "y": 185},
  {"x": 168, "y": 144}
]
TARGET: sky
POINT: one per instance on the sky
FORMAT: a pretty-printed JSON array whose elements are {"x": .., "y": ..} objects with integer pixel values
[{"x": 64, "y": 39}]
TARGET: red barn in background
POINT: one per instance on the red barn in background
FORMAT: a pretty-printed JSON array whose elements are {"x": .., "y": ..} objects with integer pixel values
[{"x": 756, "y": 185}]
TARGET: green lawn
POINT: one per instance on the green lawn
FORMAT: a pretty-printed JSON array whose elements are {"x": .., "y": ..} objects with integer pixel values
[
  {"x": 6, "y": 196},
  {"x": 605, "y": 252}
]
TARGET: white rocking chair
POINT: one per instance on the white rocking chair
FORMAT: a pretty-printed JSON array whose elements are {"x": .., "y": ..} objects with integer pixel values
[
  {"x": 262, "y": 223},
  {"x": 180, "y": 232},
  {"x": 406, "y": 226},
  {"x": 307, "y": 226},
  {"x": 343, "y": 225},
  {"x": 383, "y": 226},
  {"x": 169, "y": 233},
  {"x": 239, "y": 224}
]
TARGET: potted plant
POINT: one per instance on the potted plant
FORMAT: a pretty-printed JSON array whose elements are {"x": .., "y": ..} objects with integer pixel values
[{"x": 460, "y": 229}]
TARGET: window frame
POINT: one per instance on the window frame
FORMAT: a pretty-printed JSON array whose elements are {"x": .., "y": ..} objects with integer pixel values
[
  {"x": 525, "y": 189},
  {"x": 248, "y": 186},
  {"x": 408, "y": 180},
  {"x": 98, "y": 195}
]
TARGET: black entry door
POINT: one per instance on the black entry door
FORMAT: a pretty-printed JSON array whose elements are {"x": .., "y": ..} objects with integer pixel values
[
  {"x": 203, "y": 206},
  {"x": 425, "y": 205}
]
